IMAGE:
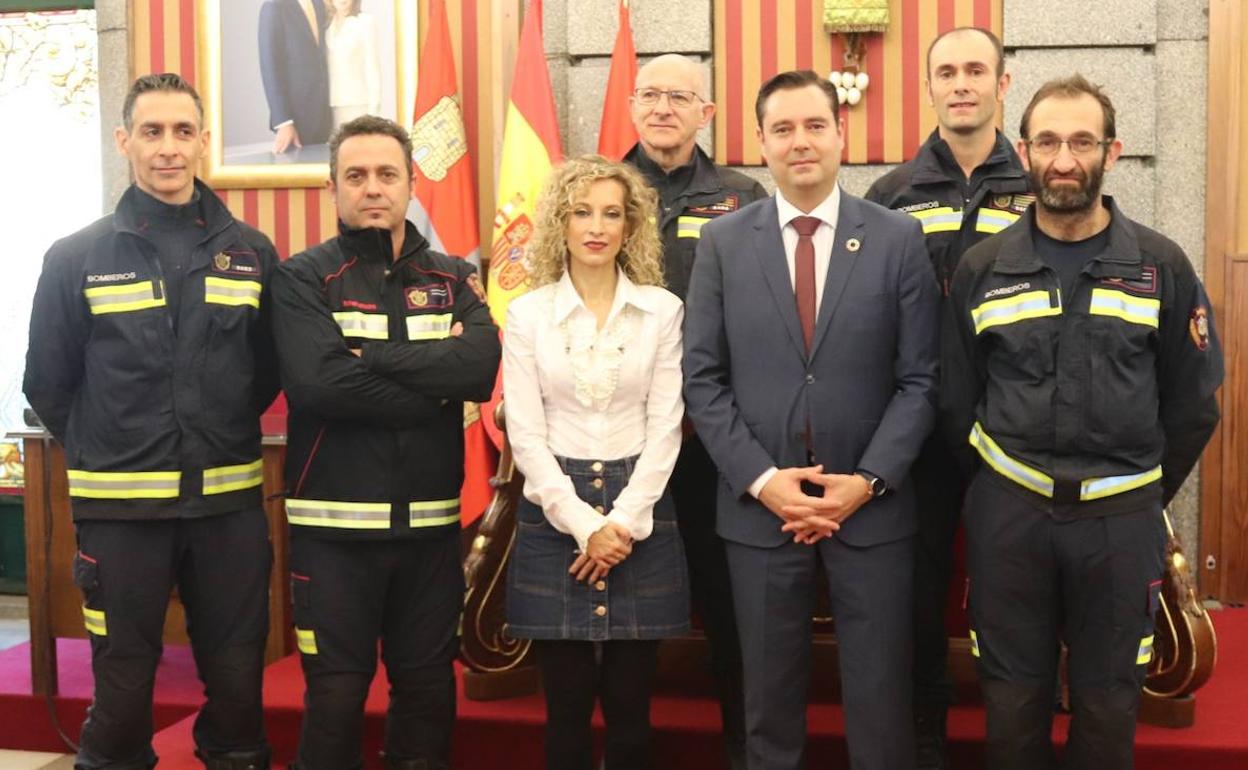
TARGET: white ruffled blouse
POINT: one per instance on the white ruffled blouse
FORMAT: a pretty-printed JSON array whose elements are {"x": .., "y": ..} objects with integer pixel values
[{"x": 574, "y": 390}]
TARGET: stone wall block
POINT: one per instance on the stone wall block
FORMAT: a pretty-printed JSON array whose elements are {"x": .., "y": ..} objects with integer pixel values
[
  {"x": 1078, "y": 22},
  {"x": 1182, "y": 19},
  {"x": 587, "y": 85},
  {"x": 658, "y": 26},
  {"x": 1181, "y": 144},
  {"x": 1128, "y": 75}
]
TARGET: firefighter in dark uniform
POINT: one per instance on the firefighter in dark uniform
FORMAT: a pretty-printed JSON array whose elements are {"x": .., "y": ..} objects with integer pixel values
[
  {"x": 965, "y": 184},
  {"x": 1082, "y": 363},
  {"x": 668, "y": 107},
  {"x": 150, "y": 360},
  {"x": 381, "y": 340}
]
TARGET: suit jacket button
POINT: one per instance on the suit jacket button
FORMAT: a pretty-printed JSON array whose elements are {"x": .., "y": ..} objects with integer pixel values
[
  {"x": 600, "y": 610},
  {"x": 810, "y": 379},
  {"x": 601, "y": 585},
  {"x": 597, "y": 483},
  {"x": 596, "y": 467},
  {"x": 600, "y": 509}
]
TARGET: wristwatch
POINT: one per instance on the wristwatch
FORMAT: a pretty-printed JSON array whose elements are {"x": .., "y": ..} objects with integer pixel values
[{"x": 876, "y": 484}]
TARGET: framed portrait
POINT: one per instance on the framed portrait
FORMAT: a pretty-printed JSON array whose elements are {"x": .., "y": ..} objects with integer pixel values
[{"x": 277, "y": 76}]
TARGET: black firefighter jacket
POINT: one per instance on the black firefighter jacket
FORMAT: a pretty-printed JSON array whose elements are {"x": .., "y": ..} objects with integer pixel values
[
  {"x": 155, "y": 424},
  {"x": 1097, "y": 401},
  {"x": 376, "y": 439}
]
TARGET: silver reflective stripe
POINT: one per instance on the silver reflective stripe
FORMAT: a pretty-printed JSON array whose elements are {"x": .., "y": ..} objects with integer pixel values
[
  {"x": 1095, "y": 489},
  {"x": 1018, "y": 472},
  {"x": 123, "y": 297},
  {"x": 429, "y": 327},
  {"x": 1119, "y": 304},
  {"x": 225, "y": 291},
  {"x": 106, "y": 485},
  {"x": 433, "y": 513},
  {"x": 369, "y": 326},
  {"x": 994, "y": 221},
  {"x": 1020, "y": 307},
  {"x": 334, "y": 513},
  {"x": 939, "y": 220},
  {"x": 231, "y": 478}
]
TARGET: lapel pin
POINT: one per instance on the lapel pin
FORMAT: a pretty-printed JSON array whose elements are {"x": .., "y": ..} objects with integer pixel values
[{"x": 853, "y": 244}]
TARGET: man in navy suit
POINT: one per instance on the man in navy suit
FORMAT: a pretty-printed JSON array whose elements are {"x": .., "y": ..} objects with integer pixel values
[
  {"x": 292, "y": 66},
  {"x": 810, "y": 366}
]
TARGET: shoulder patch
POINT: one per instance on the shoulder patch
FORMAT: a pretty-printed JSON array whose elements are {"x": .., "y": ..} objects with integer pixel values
[
  {"x": 1198, "y": 327},
  {"x": 474, "y": 283}
]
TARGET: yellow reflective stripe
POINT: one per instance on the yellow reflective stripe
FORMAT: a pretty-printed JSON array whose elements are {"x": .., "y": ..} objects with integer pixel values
[
  {"x": 1145, "y": 653},
  {"x": 334, "y": 513},
  {"x": 1132, "y": 309},
  {"x": 690, "y": 227},
  {"x": 306, "y": 639},
  {"x": 939, "y": 220},
  {"x": 974, "y": 643},
  {"x": 94, "y": 621},
  {"x": 1018, "y": 472},
  {"x": 433, "y": 513},
  {"x": 994, "y": 220},
  {"x": 429, "y": 327},
  {"x": 105, "y": 485},
  {"x": 231, "y": 478},
  {"x": 226, "y": 291},
  {"x": 124, "y": 297},
  {"x": 1019, "y": 307},
  {"x": 1095, "y": 489},
  {"x": 369, "y": 326}
]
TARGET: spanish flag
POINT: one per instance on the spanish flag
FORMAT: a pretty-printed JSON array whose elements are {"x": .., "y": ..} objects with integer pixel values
[
  {"x": 616, "y": 134},
  {"x": 445, "y": 212},
  {"x": 530, "y": 149}
]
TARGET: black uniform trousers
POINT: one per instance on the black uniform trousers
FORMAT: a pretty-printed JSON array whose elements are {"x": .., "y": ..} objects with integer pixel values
[
  {"x": 694, "y": 485},
  {"x": 348, "y": 594},
  {"x": 127, "y": 570},
  {"x": 939, "y": 484},
  {"x": 1091, "y": 583}
]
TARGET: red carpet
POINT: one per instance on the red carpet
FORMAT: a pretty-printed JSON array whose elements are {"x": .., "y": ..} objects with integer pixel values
[{"x": 508, "y": 733}]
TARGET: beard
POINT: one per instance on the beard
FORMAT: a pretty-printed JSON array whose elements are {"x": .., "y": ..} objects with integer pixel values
[{"x": 1065, "y": 199}]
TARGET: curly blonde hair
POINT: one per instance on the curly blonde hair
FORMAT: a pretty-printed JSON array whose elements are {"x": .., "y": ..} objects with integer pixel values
[{"x": 640, "y": 256}]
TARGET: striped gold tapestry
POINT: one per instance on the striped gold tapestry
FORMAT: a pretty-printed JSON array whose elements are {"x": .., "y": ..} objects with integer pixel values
[{"x": 755, "y": 39}]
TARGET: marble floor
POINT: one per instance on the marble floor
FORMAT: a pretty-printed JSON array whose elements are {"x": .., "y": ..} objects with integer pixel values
[{"x": 35, "y": 760}]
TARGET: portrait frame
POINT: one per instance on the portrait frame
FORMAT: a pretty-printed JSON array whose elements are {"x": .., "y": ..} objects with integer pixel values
[{"x": 216, "y": 171}]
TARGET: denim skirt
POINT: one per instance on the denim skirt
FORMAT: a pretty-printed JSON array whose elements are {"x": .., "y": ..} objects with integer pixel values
[{"x": 646, "y": 596}]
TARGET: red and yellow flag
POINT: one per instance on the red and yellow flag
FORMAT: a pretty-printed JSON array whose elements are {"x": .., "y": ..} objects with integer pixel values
[
  {"x": 530, "y": 149},
  {"x": 616, "y": 135},
  {"x": 445, "y": 212}
]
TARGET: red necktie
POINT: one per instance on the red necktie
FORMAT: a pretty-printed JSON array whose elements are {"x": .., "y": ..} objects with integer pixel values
[{"x": 804, "y": 283}]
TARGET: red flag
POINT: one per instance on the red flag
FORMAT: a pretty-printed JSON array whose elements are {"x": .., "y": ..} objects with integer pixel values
[
  {"x": 616, "y": 136},
  {"x": 445, "y": 212},
  {"x": 530, "y": 149}
]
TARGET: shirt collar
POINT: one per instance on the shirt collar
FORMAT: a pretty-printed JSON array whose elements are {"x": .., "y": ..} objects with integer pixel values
[
  {"x": 827, "y": 211},
  {"x": 626, "y": 293}
]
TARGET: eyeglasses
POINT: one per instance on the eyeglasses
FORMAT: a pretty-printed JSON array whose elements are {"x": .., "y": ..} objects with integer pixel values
[
  {"x": 678, "y": 99},
  {"x": 1049, "y": 144}
]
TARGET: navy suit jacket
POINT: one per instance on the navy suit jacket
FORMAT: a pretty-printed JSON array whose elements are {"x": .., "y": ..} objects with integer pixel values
[
  {"x": 293, "y": 68},
  {"x": 868, "y": 387}
]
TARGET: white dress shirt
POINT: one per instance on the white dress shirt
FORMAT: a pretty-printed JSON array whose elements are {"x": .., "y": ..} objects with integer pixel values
[
  {"x": 825, "y": 235},
  {"x": 574, "y": 390},
  {"x": 354, "y": 64}
]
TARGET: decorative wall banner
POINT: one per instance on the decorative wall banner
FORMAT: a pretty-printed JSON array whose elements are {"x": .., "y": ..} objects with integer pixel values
[{"x": 755, "y": 39}]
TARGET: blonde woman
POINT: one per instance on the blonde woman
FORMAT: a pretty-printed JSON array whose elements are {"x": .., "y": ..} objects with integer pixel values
[
  {"x": 351, "y": 53},
  {"x": 592, "y": 382}
]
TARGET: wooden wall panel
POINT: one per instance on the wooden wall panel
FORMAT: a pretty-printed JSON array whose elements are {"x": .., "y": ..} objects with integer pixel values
[
  {"x": 1223, "y": 556},
  {"x": 755, "y": 39}
]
